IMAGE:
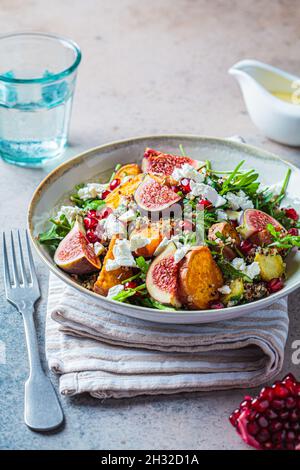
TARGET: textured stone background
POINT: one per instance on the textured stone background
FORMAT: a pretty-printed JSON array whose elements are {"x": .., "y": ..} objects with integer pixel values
[{"x": 148, "y": 67}]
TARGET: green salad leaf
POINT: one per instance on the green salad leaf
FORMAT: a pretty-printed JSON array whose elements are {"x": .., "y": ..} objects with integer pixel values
[
  {"x": 58, "y": 230},
  {"x": 281, "y": 240}
]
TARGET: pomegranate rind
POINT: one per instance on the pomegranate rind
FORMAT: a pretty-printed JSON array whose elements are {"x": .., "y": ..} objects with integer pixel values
[
  {"x": 255, "y": 221},
  {"x": 153, "y": 196},
  {"x": 163, "y": 163},
  {"x": 162, "y": 278},
  {"x": 74, "y": 254}
]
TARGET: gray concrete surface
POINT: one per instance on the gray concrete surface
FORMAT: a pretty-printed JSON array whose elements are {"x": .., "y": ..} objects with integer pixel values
[{"x": 148, "y": 67}]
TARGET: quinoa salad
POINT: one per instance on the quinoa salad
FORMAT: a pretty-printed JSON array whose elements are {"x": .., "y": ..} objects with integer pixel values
[{"x": 171, "y": 232}]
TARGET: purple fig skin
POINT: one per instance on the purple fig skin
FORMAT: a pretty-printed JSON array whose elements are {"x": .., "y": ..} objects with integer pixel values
[
  {"x": 253, "y": 221},
  {"x": 162, "y": 196},
  {"x": 74, "y": 254}
]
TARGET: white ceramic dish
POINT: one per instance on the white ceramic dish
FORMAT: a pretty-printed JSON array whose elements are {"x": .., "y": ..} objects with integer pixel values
[
  {"x": 222, "y": 153},
  {"x": 277, "y": 119}
]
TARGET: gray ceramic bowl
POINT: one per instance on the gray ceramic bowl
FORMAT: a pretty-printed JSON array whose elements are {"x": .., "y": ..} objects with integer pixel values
[{"x": 99, "y": 161}]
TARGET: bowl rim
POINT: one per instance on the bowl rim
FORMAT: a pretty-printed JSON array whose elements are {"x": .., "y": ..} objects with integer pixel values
[{"x": 162, "y": 316}]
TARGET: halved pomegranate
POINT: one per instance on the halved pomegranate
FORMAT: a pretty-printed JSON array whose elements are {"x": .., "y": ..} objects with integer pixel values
[
  {"x": 163, "y": 163},
  {"x": 161, "y": 280},
  {"x": 272, "y": 419}
]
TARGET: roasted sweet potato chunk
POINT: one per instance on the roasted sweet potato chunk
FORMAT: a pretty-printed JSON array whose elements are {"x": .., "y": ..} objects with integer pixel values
[
  {"x": 199, "y": 278},
  {"x": 154, "y": 233},
  {"x": 128, "y": 188},
  {"x": 108, "y": 279},
  {"x": 132, "y": 169}
]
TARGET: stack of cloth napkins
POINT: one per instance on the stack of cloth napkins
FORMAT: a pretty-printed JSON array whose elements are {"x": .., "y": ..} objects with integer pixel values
[{"x": 111, "y": 355}]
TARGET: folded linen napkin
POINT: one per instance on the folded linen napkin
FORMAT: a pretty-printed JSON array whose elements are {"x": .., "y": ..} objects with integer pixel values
[{"x": 110, "y": 355}]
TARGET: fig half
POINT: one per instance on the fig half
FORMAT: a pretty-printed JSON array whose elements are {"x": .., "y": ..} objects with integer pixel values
[
  {"x": 74, "y": 254},
  {"x": 153, "y": 196},
  {"x": 162, "y": 277},
  {"x": 163, "y": 163},
  {"x": 254, "y": 221}
]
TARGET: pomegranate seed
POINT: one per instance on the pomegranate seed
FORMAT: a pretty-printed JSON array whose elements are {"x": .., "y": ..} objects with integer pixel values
[
  {"x": 263, "y": 436},
  {"x": 263, "y": 422},
  {"x": 114, "y": 184},
  {"x": 91, "y": 236},
  {"x": 271, "y": 414},
  {"x": 91, "y": 213},
  {"x": 90, "y": 222},
  {"x": 262, "y": 427},
  {"x": 217, "y": 305},
  {"x": 245, "y": 247},
  {"x": 204, "y": 203},
  {"x": 130, "y": 285},
  {"x": 234, "y": 223},
  {"x": 253, "y": 428},
  {"x": 277, "y": 404},
  {"x": 185, "y": 185},
  {"x": 260, "y": 405},
  {"x": 280, "y": 390},
  {"x": 176, "y": 189},
  {"x": 276, "y": 426},
  {"x": 267, "y": 393},
  {"x": 291, "y": 213},
  {"x": 275, "y": 285},
  {"x": 293, "y": 231},
  {"x": 105, "y": 194},
  {"x": 104, "y": 213},
  {"x": 233, "y": 418}
]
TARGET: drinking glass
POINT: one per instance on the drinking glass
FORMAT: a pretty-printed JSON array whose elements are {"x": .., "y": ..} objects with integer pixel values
[{"x": 37, "y": 81}]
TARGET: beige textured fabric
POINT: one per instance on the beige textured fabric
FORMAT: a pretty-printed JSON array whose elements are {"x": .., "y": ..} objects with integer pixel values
[{"x": 111, "y": 355}]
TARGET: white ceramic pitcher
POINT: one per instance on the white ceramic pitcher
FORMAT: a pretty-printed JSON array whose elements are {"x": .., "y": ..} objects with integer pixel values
[{"x": 276, "y": 118}]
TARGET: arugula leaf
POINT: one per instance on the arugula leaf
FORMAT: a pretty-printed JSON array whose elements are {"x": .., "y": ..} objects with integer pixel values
[
  {"x": 182, "y": 150},
  {"x": 230, "y": 272},
  {"x": 143, "y": 265},
  {"x": 283, "y": 241},
  {"x": 127, "y": 293},
  {"x": 92, "y": 204},
  {"x": 58, "y": 230},
  {"x": 148, "y": 302},
  {"x": 238, "y": 181}
]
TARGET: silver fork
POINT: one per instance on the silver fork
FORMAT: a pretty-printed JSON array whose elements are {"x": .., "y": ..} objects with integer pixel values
[{"x": 42, "y": 410}]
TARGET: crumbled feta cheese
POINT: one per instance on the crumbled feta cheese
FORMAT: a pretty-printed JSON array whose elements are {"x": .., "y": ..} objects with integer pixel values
[
  {"x": 122, "y": 256},
  {"x": 188, "y": 171},
  {"x": 252, "y": 270},
  {"x": 115, "y": 290},
  {"x": 128, "y": 216},
  {"x": 239, "y": 201},
  {"x": 98, "y": 248},
  {"x": 70, "y": 212},
  {"x": 137, "y": 242},
  {"x": 221, "y": 215},
  {"x": 111, "y": 265},
  {"x": 181, "y": 252},
  {"x": 165, "y": 242},
  {"x": 201, "y": 189},
  {"x": 160, "y": 248},
  {"x": 91, "y": 191},
  {"x": 224, "y": 289},
  {"x": 112, "y": 226}
]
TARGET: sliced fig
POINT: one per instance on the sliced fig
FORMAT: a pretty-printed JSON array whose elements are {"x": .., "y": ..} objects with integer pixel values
[
  {"x": 162, "y": 277},
  {"x": 163, "y": 163},
  {"x": 74, "y": 254},
  {"x": 153, "y": 196},
  {"x": 254, "y": 221}
]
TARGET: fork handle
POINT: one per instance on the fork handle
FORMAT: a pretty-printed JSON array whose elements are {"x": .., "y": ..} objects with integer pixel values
[{"x": 42, "y": 410}]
